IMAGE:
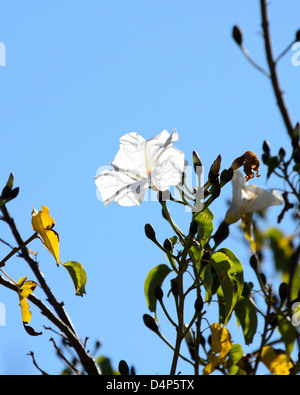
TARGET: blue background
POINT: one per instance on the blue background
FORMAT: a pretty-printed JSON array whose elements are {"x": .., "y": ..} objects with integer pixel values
[{"x": 78, "y": 76}]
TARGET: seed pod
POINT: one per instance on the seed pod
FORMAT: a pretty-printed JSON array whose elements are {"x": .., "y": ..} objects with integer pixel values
[{"x": 237, "y": 35}]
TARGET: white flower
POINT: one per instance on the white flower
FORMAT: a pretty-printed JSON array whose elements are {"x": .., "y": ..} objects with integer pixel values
[
  {"x": 139, "y": 165},
  {"x": 249, "y": 198}
]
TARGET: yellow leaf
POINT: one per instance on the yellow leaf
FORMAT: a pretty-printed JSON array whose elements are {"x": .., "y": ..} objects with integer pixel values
[
  {"x": 276, "y": 361},
  {"x": 25, "y": 288},
  {"x": 42, "y": 223},
  {"x": 220, "y": 347}
]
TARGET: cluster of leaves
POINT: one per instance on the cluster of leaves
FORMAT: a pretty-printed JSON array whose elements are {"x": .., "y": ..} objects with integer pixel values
[{"x": 217, "y": 274}]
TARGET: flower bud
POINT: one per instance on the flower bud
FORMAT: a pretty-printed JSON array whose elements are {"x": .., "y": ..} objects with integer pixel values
[
  {"x": 199, "y": 304},
  {"x": 150, "y": 323},
  {"x": 282, "y": 153},
  {"x": 168, "y": 245},
  {"x": 283, "y": 291},
  {"x": 123, "y": 368},
  {"x": 196, "y": 162},
  {"x": 253, "y": 262},
  {"x": 237, "y": 35},
  {"x": 150, "y": 233},
  {"x": 266, "y": 147}
]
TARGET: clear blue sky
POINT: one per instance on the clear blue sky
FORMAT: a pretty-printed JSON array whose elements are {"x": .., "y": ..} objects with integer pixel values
[{"x": 78, "y": 76}]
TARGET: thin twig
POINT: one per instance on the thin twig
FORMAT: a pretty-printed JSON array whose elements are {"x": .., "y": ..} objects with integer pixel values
[{"x": 36, "y": 365}]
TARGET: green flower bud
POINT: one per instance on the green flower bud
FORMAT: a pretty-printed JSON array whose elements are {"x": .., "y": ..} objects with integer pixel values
[
  {"x": 253, "y": 262},
  {"x": 199, "y": 304},
  {"x": 282, "y": 153},
  {"x": 237, "y": 35},
  {"x": 266, "y": 147},
  {"x": 196, "y": 162},
  {"x": 283, "y": 291},
  {"x": 123, "y": 368},
  {"x": 150, "y": 233},
  {"x": 168, "y": 245},
  {"x": 150, "y": 323}
]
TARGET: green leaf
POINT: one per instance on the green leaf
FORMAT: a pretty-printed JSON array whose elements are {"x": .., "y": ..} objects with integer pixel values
[
  {"x": 105, "y": 366},
  {"x": 205, "y": 226},
  {"x": 246, "y": 316},
  {"x": 155, "y": 277},
  {"x": 237, "y": 271},
  {"x": 288, "y": 333},
  {"x": 234, "y": 357},
  {"x": 78, "y": 276},
  {"x": 230, "y": 274}
]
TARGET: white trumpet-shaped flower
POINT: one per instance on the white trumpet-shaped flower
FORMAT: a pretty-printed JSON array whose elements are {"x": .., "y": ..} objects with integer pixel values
[
  {"x": 139, "y": 165},
  {"x": 249, "y": 198}
]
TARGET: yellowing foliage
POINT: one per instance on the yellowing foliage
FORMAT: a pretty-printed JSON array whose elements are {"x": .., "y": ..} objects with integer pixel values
[
  {"x": 276, "y": 361},
  {"x": 42, "y": 223},
  {"x": 220, "y": 347},
  {"x": 25, "y": 288}
]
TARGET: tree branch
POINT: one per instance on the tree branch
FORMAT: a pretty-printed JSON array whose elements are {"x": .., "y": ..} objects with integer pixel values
[
  {"x": 273, "y": 71},
  {"x": 58, "y": 307},
  {"x": 87, "y": 361}
]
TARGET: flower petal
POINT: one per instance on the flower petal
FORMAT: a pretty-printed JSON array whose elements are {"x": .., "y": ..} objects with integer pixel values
[
  {"x": 156, "y": 145},
  {"x": 168, "y": 170},
  {"x": 131, "y": 155},
  {"x": 116, "y": 185},
  {"x": 249, "y": 198}
]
